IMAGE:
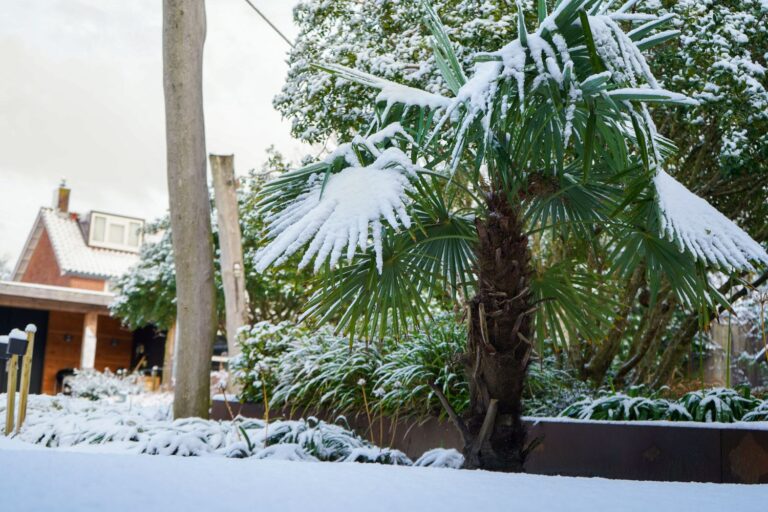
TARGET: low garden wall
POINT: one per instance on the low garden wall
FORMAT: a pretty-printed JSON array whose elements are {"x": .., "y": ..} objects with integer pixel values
[{"x": 664, "y": 451}]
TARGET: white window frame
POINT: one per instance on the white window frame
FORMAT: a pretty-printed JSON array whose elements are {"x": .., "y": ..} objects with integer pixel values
[{"x": 111, "y": 220}]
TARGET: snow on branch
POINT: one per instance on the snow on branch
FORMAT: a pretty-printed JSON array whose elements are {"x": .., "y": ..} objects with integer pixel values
[
  {"x": 698, "y": 227},
  {"x": 341, "y": 212}
]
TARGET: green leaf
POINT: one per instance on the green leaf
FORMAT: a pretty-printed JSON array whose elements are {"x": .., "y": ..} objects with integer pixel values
[
  {"x": 594, "y": 58},
  {"x": 643, "y": 30},
  {"x": 446, "y": 59},
  {"x": 589, "y": 143},
  {"x": 542, "y": 10},
  {"x": 650, "y": 96},
  {"x": 522, "y": 33},
  {"x": 657, "y": 39}
]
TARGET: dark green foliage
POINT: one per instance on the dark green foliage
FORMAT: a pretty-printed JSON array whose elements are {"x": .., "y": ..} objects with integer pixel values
[
  {"x": 721, "y": 405},
  {"x": 711, "y": 405}
]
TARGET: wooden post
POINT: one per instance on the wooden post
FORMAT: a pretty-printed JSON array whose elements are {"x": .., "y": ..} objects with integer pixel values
[
  {"x": 88, "y": 349},
  {"x": 13, "y": 369},
  {"x": 230, "y": 246},
  {"x": 190, "y": 206},
  {"x": 26, "y": 375},
  {"x": 168, "y": 364}
]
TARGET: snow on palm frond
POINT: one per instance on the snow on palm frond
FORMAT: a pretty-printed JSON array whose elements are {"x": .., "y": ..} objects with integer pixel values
[
  {"x": 390, "y": 92},
  {"x": 342, "y": 211},
  {"x": 698, "y": 227}
]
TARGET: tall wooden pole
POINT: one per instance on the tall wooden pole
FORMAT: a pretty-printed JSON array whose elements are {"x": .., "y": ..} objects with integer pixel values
[
  {"x": 10, "y": 405},
  {"x": 26, "y": 375},
  {"x": 183, "y": 41},
  {"x": 230, "y": 246}
]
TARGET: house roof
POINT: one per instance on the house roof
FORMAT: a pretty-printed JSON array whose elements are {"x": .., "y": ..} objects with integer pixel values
[
  {"x": 40, "y": 296},
  {"x": 73, "y": 254}
]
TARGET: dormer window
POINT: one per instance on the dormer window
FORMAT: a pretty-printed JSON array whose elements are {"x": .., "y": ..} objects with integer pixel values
[{"x": 115, "y": 232}]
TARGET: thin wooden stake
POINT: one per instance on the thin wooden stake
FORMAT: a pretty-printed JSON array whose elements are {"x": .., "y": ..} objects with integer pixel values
[
  {"x": 13, "y": 368},
  {"x": 26, "y": 375}
]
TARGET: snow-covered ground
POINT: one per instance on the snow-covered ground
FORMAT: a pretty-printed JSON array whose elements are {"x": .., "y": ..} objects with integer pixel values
[
  {"x": 94, "y": 461},
  {"x": 40, "y": 479}
]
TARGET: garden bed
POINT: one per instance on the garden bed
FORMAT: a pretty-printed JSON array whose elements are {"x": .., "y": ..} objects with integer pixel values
[{"x": 640, "y": 450}]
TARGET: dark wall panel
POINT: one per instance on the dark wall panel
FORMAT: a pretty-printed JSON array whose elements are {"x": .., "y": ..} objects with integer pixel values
[{"x": 11, "y": 318}]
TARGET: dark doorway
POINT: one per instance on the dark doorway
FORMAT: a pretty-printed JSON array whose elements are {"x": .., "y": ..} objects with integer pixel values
[
  {"x": 11, "y": 318},
  {"x": 148, "y": 348}
]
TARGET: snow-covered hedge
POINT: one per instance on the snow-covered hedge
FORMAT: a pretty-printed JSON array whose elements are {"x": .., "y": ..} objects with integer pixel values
[
  {"x": 143, "y": 425},
  {"x": 94, "y": 385},
  {"x": 318, "y": 369},
  {"x": 712, "y": 405}
]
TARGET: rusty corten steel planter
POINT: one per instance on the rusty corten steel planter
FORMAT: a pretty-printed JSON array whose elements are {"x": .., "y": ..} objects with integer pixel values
[{"x": 662, "y": 451}]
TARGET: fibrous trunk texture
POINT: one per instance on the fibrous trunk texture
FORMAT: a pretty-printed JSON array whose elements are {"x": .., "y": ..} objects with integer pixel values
[
  {"x": 499, "y": 346},
  {"x": 183, "y": 40}
]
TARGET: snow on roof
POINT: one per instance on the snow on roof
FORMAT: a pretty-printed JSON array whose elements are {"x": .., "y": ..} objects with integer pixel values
[{"x": 73, "y": 253}]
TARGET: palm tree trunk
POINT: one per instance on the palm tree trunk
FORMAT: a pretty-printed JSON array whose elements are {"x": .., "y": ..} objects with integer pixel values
[{"x": 499, "y": 346}]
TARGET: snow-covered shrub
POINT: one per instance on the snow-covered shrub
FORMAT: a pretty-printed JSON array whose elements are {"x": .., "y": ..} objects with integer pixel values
[
  {"x": 719, "y": 404},
  {"x": 429, "y": 355},
  {"x": 307, "y": 370},
  {"x": 376, "y": 455},
  {"x": 146, "y": 427},
  {"x": 618, "y": 407},
  {"x": 327, "y": 371},
  {"x": 288, "y": 451},
  {"x": 95, "y": 385},
  {"x": 759, "y": 413},
  {"x": 261, "y": 345},
  {"x": 710, "y": 405},
  {"x": 322, "y": 440},
  {"x": 550, "y": 388},
  {"x": 304, "y": 369},
  {"x": 441, "y": 458}
]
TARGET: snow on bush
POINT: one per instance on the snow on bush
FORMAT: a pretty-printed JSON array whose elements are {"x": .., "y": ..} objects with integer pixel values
[
  {"x": 317, "y": 369},
  {"x": 441, "y": 458},
  {"x": 94, "y": 385},
  {"x": 712, "y": 405},
  {"x": 143, "y": 425},
  {"x": 719, "y": 404},
  {"x": 759, "y": 413}
]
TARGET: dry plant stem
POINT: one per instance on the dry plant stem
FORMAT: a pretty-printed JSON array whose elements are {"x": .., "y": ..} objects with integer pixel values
[
  {"x": 266, "y": 414},
  {"x": 368, "y": 414},
  {"x": 763, "y": 300},
  {"x": 381, "y": 428},
  {"x": 394, "y": 427},
  {"x": 226, "y": 403}
]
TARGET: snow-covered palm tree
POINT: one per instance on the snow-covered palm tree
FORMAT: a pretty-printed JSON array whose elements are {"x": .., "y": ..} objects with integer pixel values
[{"x": 549, "y": 139}]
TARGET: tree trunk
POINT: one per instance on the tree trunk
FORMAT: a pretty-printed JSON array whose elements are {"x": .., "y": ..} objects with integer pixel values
[
  {"x": 499, "y": 346},
  {"x": 601, "y": 361},
  {"x": 231, "y": 248},
  {"x": 183, "y": 40}
]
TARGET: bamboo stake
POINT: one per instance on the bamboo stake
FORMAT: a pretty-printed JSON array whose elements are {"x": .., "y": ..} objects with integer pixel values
[
  {"x": 13, "y": 368},
  {"x": 26, "y": 375}
]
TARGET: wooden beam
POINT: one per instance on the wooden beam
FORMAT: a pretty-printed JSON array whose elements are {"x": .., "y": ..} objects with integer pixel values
[
  {"x": 230, "y": 247},
  {"x": 170, "y": 342},
  {"x": 88, "y": 348}
]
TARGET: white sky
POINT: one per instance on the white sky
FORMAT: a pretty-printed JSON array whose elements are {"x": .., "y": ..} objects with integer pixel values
[{"x": 81, "y": 98}]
